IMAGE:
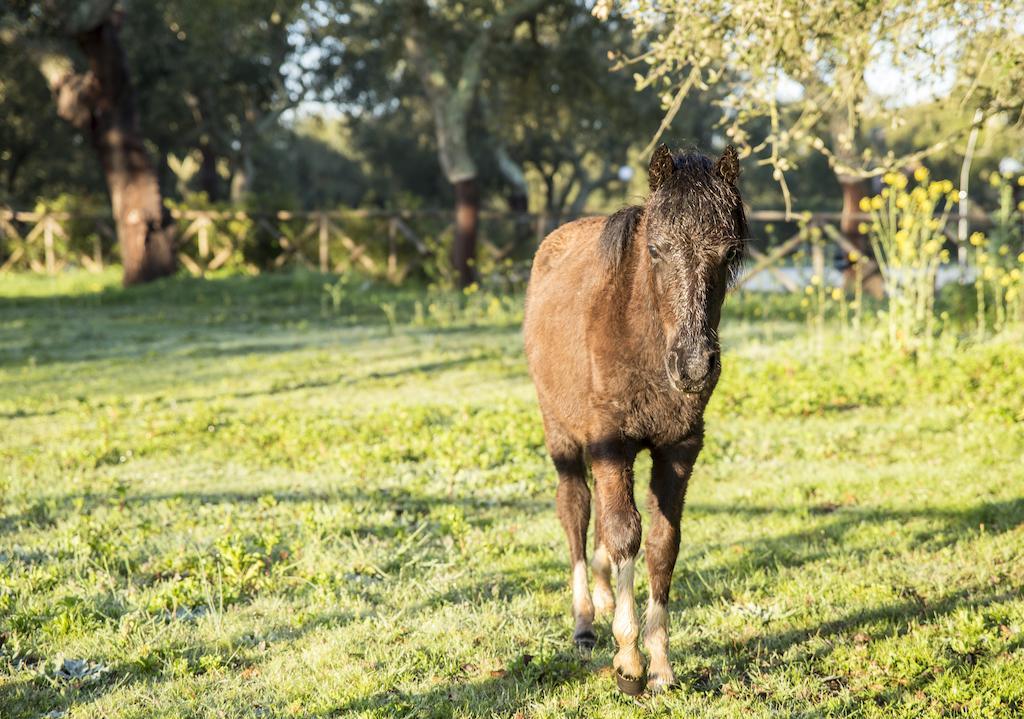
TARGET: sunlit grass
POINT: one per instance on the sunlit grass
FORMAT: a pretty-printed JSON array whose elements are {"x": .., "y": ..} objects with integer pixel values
[{"x": 232, "y": 498}]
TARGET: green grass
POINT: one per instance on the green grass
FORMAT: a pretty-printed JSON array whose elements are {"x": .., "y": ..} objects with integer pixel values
[{"x": 231, "y": 498}]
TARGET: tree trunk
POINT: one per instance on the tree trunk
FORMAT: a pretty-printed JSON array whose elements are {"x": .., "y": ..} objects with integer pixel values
[
  {"x": 519, "y": 204},
  {"x": 517, "y": 195},
  {"x": 101, "y": 103},
  {"x": 854, "y": 190},
  {"x": 208, "y": 180},
  {"x": 467, "y": 215}
]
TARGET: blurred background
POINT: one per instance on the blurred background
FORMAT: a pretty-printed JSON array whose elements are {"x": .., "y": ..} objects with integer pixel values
[{"x": 442, "y": 140}]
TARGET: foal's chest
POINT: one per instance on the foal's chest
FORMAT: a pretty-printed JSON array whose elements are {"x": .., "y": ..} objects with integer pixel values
[{"x": 659, "y": 415}]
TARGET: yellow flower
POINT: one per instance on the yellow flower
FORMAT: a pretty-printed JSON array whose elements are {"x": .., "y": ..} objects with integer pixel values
[
  {"x": 865, "y": 204},
  {"x": 815, "y": 280},
  {"x": 1020, "y": 180},
  {"x": 889, "y": 178},
  {"x": 837, "y": 294},
  {"x": 977, "y": 239},
  {"x": 1011, "y": 294},
  {"x": 805, "y": 302},
  {"x": 902, "y": 201},
  {"x": 863, "y": 228},
  {"x": 1020, "y": 258},
  {"x": 854, "y": 305},
  {"x": 1004, "y": 251},
  {"x": 1015, "y": 274},
  {"x": 921, "y": 173},
  {"x": 876, "y": 203},
  {"x": 989, "y": 272},
  {"x": 855, "y": 256},
  {"x": 931, "y": 247},
  {"x": 944, "y": 255},
  {"x": 947, "y": 185},
  {"x": 995, "y": 179},
  {"x": 1004, "y": 281},
  {"x": 1020, "y": 206},
  {"x": 809, "y": 290}
]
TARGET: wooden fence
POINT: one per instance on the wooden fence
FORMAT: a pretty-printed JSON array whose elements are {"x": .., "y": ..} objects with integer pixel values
[{"x": 382, "y": 244}]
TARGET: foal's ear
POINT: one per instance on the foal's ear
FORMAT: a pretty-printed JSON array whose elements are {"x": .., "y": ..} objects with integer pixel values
[
  {"x": 728, "y": 165},
  {"x": 662, "y": 167}
]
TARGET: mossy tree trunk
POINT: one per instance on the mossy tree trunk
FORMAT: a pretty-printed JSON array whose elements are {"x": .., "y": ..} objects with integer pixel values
[
  {"x": 100, "y": 102},
  {"x": 451, "y": 102}
]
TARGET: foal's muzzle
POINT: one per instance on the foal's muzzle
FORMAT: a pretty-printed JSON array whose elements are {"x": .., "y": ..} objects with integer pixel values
[{"x": 692, "y": 370}]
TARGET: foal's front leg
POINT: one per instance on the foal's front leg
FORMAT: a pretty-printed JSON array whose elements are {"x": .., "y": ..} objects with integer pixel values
[
  {"x": 669, "y": 476},
  {"x": 612, "y": 464}
]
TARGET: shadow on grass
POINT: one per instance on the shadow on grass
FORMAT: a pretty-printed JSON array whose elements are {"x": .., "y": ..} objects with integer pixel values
[
  {"x": 734, "y": 662},
  {"x": 126, "y": 323},
  {"x": 407, "y": 506},
  {"x": 528, "y": 679}
]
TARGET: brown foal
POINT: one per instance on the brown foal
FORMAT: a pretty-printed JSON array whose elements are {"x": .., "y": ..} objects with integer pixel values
[{"x": 621, "y": 332}]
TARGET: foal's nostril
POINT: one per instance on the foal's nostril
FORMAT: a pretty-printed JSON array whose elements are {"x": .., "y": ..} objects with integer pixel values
[{"x": 699, "y": 365}]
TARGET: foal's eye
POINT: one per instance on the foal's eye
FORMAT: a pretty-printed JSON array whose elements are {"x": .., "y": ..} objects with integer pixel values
[
  {"x": 733, "y": 254},
  {"x": 654, "y": 252}
]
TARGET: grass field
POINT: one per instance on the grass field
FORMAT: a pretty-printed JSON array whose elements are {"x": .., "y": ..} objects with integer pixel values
[{"x": 244, "y": 497}]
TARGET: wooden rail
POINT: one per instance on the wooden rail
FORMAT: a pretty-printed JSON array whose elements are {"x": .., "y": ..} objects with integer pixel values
[{"x": 381, "y": 243}]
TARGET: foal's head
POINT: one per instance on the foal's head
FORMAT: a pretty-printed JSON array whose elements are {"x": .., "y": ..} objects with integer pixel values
[{"x": 695, "y": 228}]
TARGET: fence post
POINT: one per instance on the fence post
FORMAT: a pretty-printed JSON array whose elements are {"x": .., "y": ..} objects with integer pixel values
[
  {"x": 204, "y": 238},
  {"x": 51, "y": 263},
  {"x": 322, "y": 239},
  {"x": 818, "y": 258}
]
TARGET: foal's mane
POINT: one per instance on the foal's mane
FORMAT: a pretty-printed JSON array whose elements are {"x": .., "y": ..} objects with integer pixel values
[
  {"x": 617, "y": 233},
  {"x": 694, "y": 188}
]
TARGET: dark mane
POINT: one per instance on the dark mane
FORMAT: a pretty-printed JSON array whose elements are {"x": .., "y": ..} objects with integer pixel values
[
  {"x": 617, "y": 233},
  {"x": 696, "y": 192},
  {"x": 692, "y": 190}
]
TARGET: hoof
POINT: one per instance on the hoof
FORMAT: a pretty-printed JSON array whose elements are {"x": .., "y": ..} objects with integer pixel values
[
  {"x": 633, "y": 686},
  {"x": 657, "y": 683},
  {"x": 585, "y": 641}
]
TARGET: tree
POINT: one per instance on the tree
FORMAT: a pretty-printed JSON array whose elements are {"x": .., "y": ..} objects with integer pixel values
[
  {"x": 563, "y": 119},
  {"x": 451, "y": 93},
  {"x": 804, "y": 67},
  {"x": 95, "y": 95}
]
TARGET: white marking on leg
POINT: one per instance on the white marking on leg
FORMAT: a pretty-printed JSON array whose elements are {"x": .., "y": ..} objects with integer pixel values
[
  {"x": 624, "y": 626},
  {"x": 656, "y": 641},
  {"x": 582, "y": 606},
  {"x": 604, "y": 600}
]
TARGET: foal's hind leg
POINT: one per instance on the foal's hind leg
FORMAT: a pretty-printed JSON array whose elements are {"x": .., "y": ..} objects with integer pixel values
[
  {"x": 669, "y": 476},
  {"x": 573, "y": 503}
]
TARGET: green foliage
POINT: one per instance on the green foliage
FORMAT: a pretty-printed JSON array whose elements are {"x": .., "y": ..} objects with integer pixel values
[{"x": 805, "y": 70}]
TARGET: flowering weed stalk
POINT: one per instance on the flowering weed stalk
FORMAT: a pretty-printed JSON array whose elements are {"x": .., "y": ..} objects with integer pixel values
[{"x": 906, "y": 235}]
